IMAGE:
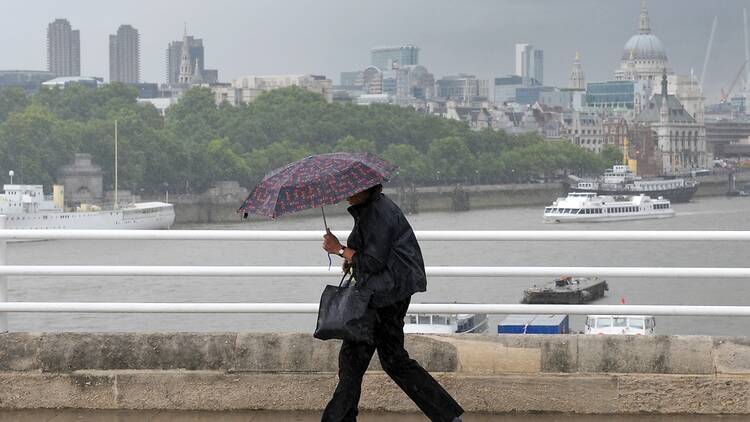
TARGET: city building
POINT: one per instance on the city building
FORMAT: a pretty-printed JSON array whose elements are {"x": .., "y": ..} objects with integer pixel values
[
  {"x": 577, "y": 80},
  {"x": 463, "y": 88},
  {"x": 644, "y": 56},
  {"x": 563, "y": 98},
  {"x": 505, "y": 88},
  {"x": 125, "y": 56},
  {"x": 644, "y": 157},
  {"x": 147, "y": 90},
  {"x": 245, "y": 90},
  {"x": 530, "y": 62},
  {"x": 688, "y": 90},
  {"x": 351, "y": 78},
  {"x": 387, "y": 58},
  {"x": 65, "y": 81},
  {"x": 63, "y": 49},
  {"x": 615, "y": 131},
  {"x": 722, "y": 133},
  {"x": 612, "y": 95},
  {"x": 680, "y": 138},
  {"x": 193, "y": 58},
  {"x": 528, "y": 95},
  {"x": 584, "y": 128},
  {"x": 28, "y": 80}
]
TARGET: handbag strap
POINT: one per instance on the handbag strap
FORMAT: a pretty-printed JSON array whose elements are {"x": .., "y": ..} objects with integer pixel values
[{"x": 351, "y": 275}]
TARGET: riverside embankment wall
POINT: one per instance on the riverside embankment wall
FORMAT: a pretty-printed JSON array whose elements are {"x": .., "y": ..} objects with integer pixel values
[
  {"x": 511, "y": 373},
  {"x": 199, "y": 209}
]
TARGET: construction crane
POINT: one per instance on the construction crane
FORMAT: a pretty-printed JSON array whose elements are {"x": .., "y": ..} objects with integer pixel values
[{"x": 725, "y": 95}]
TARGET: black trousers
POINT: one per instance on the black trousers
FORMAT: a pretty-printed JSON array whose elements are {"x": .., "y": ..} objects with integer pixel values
[{"x": 354, "y": 358}]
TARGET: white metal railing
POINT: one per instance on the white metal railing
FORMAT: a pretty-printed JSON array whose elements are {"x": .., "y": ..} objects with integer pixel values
[
  {"x": 431, "y": 235},
  {"x": 311, "y": 235}
]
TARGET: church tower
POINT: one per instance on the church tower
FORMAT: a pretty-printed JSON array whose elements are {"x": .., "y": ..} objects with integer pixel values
[
  {"x": 197, "y": 78},
  {"x": 186, "y": 73},
  {"x": 577, "y": 80}
]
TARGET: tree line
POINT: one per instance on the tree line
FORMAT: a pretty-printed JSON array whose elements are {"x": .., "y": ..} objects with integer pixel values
[{"x": 198, "y": 143}]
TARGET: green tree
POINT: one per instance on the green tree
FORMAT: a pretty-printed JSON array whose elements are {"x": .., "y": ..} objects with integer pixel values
[
  {"x": 352, "y": 144},
  {"x": 412, "y": 165},
  {"x": 451, "y": 160},
  {"x": 12, "y": 100}
]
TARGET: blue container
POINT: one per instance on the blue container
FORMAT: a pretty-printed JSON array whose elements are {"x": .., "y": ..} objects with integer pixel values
[{"x": 534, "y": 324}]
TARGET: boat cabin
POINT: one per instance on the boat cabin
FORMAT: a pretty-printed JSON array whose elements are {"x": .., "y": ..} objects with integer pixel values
[
  {"x": 445, "y": 324},
  {"x": 620, "y": 324}
]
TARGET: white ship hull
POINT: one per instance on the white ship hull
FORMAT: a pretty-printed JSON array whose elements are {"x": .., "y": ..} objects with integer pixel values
[
  {"x": 602, "y": 219},
  {"x": 140, "y": 216}
]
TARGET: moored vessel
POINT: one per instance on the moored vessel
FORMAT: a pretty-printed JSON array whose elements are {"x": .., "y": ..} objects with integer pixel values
[
  {"x": 619, "y": 180},
  {"x": 445, "y": 323},
  {"x": 566, "y": 290},
  {"x": 26, "y": 207}
]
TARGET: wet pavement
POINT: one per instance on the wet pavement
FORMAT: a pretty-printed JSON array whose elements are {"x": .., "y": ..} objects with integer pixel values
[{"x": 70, "y": 415}]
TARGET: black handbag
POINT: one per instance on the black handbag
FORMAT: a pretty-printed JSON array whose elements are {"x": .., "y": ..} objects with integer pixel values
[{"x": 344, "y": 314}]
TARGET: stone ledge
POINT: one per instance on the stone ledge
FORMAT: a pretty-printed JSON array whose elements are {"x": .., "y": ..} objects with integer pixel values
[
  {"x": 300, "y": 352},
  {"x": 216, "y": 390}
]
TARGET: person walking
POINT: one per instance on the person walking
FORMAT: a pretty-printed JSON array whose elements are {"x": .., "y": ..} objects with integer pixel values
[{"x": 383, "y": 253}]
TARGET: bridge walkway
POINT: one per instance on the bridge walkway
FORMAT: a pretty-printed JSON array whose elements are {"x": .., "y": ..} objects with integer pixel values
[{"x": 77, "y": 415}]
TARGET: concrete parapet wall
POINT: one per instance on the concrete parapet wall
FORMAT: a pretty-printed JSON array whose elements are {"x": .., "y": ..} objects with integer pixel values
[{"x": 222, "y": 371}]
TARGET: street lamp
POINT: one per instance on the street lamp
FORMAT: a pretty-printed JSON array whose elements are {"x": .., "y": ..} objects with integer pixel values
[
  {"x": 11, "y": 174},
  {"x": 437, "y": 176},
  {"x": 476, "y": 172},
  {"x": 166, "y": 192}
]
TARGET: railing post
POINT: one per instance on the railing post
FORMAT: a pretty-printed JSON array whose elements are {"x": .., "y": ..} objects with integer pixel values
[{"x": 3, "y": 278}]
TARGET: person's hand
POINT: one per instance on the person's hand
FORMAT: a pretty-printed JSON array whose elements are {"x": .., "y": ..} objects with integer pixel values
[
  {"x": 346, "y": 266},
  {"x": 331, "y": 243}
]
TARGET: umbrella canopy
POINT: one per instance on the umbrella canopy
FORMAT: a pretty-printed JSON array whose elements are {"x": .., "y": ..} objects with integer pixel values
[{"x": 315, "y": 181}]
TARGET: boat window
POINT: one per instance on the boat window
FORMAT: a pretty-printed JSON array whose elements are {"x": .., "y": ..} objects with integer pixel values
[
  {"x": 423, "y": 319},
  {"x": 411, "y": 319},
  {"x": 603, "y": 322},
  {"x": 439, "y": 319},
  {"x": 650, "y": 323},
  {"x": 635, "y": 323},
  {"x": 620, "y": 322}
]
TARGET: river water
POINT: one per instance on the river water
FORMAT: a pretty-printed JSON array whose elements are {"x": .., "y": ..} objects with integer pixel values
[{"x": 717, "y": 213}]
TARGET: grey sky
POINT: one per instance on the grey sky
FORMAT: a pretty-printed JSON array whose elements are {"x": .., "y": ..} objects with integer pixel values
[{"x": 327, "y": 37}]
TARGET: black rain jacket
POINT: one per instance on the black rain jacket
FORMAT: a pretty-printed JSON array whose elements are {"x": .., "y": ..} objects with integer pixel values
[{"x": 388, "y": 259}]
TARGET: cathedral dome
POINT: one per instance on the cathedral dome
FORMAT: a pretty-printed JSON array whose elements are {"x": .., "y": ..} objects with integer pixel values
[{"x": 644, "y": 47}]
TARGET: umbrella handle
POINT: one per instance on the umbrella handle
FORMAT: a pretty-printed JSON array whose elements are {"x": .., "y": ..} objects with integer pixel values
[{"x": 325, "y": 223}]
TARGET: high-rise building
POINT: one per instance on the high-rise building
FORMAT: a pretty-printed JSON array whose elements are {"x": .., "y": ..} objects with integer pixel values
[
  {"x": 125, "y": 56},
  {"x": 174, "y": 58},
  {"x": 530, "y": 62},
  {"x": 63, "y": 49},
  {"x": 386, "y": 58}
]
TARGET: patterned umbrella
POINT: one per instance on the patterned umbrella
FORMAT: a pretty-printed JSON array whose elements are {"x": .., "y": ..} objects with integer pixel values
[{"x": 315, "y": 181}]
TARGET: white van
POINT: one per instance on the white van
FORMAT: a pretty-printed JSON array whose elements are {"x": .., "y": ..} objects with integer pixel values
[{"x": 620, "y": 324}]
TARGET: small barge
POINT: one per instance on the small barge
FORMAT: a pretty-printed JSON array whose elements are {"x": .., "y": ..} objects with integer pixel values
[{"x": 566, "y": 290}]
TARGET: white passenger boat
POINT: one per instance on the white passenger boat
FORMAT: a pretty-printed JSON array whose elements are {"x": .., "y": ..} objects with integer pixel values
[
  {"x": 26, "y": 207},
  {"x": 590, "y": 207}
]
